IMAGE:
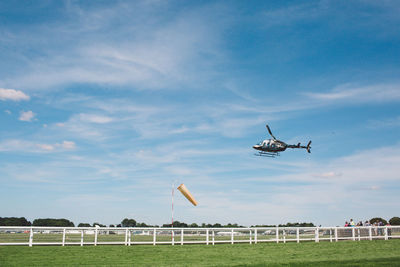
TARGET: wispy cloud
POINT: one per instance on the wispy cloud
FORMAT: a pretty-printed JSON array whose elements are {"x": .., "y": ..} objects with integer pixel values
[
  {"x": 93, "y": 118},
  {"x": 15, "y": 145},
  {"x": 360, "y": 94},
  {"x": 294, "y": 13},
  {"x": 387, "y": 122},
  {"x": 26, "y": 115},
  {"x": 155, "y": 52},
  {"x": 347, "y": 16},
  {"x": 12, "y": 94}
]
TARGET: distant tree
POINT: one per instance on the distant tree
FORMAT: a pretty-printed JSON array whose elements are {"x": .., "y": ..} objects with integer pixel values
[
  {"x": 229, "y": 225},
  {"x": 111, "y": 225},
  {"x": 304, "y": 224},
  {"x": 180, "y": 224},
  {"x": 84, "y": 225},
  {"x": 141, "y": 225},
  {"x": 128, "y": 222},
  {"x": 14, "y": 221},
  {"x": 176, "y": 224},
  {"x": 99, "y": 224},
  {"x": 203, "y": 225},
  {"x": 394, "y": 221},
  {"x": 193, "y": 225},
  {"x": 53, "y": 222},
  {"x": 217, "y": 225},
  {"x": 377, "y": 219}
]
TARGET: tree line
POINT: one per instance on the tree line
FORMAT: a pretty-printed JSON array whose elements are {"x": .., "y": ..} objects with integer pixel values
[{"x": 22, "y": 221}]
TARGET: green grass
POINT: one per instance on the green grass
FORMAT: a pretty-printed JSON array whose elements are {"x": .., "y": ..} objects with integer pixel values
[{"x": 346, "y": 253}]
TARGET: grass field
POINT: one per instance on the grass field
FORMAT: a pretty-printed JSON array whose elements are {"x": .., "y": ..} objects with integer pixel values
[{"x": 346, "y": 253}]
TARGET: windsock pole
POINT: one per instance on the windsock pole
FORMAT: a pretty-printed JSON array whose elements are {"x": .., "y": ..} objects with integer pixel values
[{"x": 172, "y": 207}]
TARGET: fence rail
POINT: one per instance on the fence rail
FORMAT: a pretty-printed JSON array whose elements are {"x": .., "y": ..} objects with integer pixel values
[{"x": 63, "y": 236}]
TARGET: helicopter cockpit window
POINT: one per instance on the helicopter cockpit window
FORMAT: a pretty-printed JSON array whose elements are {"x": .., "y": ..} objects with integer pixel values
[{"x": 265, "y": 143}]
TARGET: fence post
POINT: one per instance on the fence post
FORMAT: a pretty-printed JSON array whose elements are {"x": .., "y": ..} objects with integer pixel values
[
  {"x": 353, "y": 234},
  {"x": 232, "y": 236},
  {"x": 277, "y": 234},
  {"x": 250, "y": 236},
  {"x": 336, "y": 235},
  {"x": 298, "y": 234},
  {"x": 213, "y": 237},
  {"x": 207, "y": 241},
  {"x": 173, "y": 237},
  {"x": 255, "y": 236},
  {"x": 370, "y": 233},
  {"x": 182, "y": 237},
  {"x": 31, "y": 237},
  {"x": 126, "y": 237},
  {"x": 154, "y": 237},
  {"x": 284, "y": 235},
  {"x": 82, "y": 238},
  {"x": 95, "y": 237},
  {"x": 63, "y": 238},
  {"x": 129, "y": 237},
  {"x": 386, "y": 233},
  {"x": 330, "y": 235},
  {"x": 359, "y": 234},
  {"x": 317, "y": 234}
]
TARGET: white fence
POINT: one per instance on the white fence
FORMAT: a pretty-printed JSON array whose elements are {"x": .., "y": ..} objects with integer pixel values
[{"x": 179, "y": 236}]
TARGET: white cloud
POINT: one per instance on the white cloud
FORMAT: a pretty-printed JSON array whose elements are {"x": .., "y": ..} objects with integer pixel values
[
  {"x": 366, "y": 166},
  {"x": 387, "y": 122},
  {"x": 292, "y": 14},
  {"x": 93, "y": 118},
  {"x": 68, "y": 145},
  {"x": 88, "y": 126},
  {"x": 330, "y": 174},
  {"x": 46, "y": 147},
  {"x": 360, "y": 94},
  {"x": 154, "y": 52},
  {"x": 15, "y": 145},
  {"x": 7, "y": 111},
  {"x": 26, "y": 115},
  {"x": 12, "y": 94}
]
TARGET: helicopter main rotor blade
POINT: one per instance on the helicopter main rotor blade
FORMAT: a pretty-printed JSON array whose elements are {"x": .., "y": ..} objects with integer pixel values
[{"x": 269, "y": 130}]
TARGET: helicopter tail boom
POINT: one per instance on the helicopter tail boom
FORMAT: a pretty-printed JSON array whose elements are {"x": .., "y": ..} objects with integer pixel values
[{"x": 308, "y": 147}]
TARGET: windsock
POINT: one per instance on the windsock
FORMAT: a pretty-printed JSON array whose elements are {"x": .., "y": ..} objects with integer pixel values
[{"x": 187, "y": 194}]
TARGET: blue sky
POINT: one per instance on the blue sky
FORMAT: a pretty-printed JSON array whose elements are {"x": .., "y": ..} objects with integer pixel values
[{"x": 105, "y": 104}]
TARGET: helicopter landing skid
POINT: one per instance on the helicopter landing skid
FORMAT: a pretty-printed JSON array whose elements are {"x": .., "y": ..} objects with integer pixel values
[{"x": 267, "y": 154}]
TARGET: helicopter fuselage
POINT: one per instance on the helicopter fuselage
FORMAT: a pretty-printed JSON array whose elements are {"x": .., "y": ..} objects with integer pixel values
[{"x": 271, "y": 145}]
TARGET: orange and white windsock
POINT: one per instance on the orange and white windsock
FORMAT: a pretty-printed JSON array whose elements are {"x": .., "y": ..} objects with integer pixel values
[{"x": 187, "y": 194}]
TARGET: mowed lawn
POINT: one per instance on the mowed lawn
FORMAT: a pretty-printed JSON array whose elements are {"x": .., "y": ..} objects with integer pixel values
[{"x": 346, "y": 253}]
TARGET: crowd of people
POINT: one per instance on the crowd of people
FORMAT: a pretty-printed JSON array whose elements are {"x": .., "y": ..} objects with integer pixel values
[
  {"x": 377, "y": 230},
  {"x": 366, "y": 223}
]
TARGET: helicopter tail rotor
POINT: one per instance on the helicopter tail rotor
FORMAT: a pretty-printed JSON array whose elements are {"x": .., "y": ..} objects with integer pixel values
[{"x": 309, "y": 147}]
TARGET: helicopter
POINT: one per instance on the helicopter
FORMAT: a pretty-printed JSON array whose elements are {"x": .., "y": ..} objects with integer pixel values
[{"x": 272, "y": 147}]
